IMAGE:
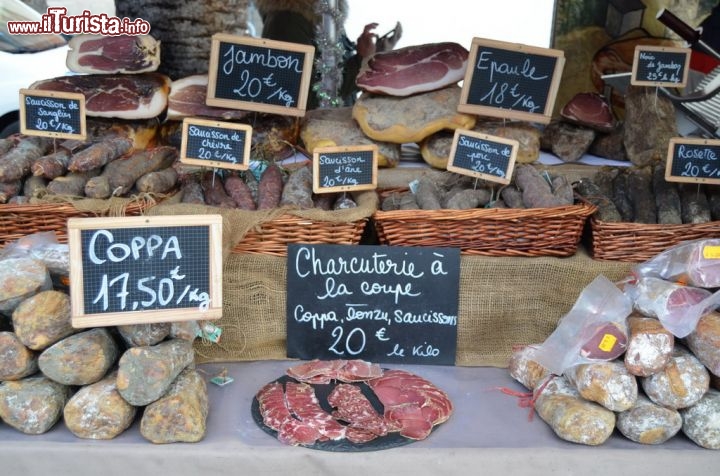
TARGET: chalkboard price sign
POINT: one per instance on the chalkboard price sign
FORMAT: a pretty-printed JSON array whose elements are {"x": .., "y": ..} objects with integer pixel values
[
  {"x": 216, "y": 144},
  {"x": 693, "y": 160},
  {"x": 135, "y": 270},
  {"x": 343, "y": 169},
  {"x": 660, "y": 66},
  {"x": 378, "y": 303},
  {"x": 510, "y": 80},
  {"x": 483, "y": 156},
  {"x": 52, "y": 114},
  {"x": 259, "y": 75}
]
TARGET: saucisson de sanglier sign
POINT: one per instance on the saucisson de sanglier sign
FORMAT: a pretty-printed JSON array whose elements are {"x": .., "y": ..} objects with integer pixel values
[
  {"x": 390, "y": 304},
  {"x": 55, "y": 114}
]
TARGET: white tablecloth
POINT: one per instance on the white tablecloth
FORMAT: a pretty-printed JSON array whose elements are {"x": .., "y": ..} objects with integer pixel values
[{"x": 487, "y": 434}]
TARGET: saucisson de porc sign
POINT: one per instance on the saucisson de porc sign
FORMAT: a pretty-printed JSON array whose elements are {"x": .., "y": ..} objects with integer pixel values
[
  {"x": 660, "y": 66},
  {"x": 390, "y": 304},
  {"x": 257, "y": 74},
  {"x": 693, "y": 160},
  {"x": 53, "y": 114},
  {"x": 483, "y": 156},
  {"x": 216, "y": 144},
  {"x": 345, "y": 168},
  {"x": 511, "y": 80},
  {"x": 138, "y": 270}
]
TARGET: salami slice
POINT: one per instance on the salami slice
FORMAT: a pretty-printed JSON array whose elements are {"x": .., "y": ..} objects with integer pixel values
[
  {"x": 354, "y": 407},
  {"x": 303, "y": 403}
]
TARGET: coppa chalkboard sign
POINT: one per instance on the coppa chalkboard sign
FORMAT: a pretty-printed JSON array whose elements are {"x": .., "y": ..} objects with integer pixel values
[
  {"x": 342, "y": 169},
  {"x": 693, "y": 160},
  {"x": 134, "y": 270},
  {"x": 660, "y": 66},
  {"x": 483, "y": 156},
  {"x": 379, "y": 303},
  {"x": 259, "y": 75},
  {"x": 216, "y": 144},
  {"x": 511, "y": 80},
  {"x": 52, "y": 114}
]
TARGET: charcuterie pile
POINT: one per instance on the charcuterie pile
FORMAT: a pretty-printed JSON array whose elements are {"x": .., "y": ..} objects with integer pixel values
[
  {"x": 642, "y": 195},
  {"x": 97, "y": 380},
  {"x": 350, "y": 404},
  {"x": 446, "y": 190},
  {"x": 663, "y": 377}
]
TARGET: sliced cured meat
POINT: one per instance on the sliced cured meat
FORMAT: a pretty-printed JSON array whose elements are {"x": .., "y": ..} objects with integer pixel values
[
  {"x": 303, "y": 403},
  {"x": 295, "y": 432},
  {"x": 271, "y": 400},
  {"x": 316, "y": 371},
  {"x": 413, "y": 405},
  {"x": 324, "y": 371},
  {"x": 591, "y": 110},
  {"x": 353, "y": 407},
  {"x": 413, "y": 423},
  {"x": 187, "y": 99},
  {"x": 113, "y": 54},
  {"x": 413, "y": 69},
  {"x": 136, "y": 96},
  {"x": 277, "y": 416},
  {"x": 358, "y": 436},
  {"x": 358, "y": 371}
]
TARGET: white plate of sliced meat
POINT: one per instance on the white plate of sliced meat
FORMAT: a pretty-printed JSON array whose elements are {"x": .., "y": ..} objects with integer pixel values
[{"x": 349, "y": 405}]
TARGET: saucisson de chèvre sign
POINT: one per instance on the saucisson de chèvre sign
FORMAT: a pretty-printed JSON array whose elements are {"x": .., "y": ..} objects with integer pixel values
[
  {"x": 693, "y": 160},
  {"x": 257, "y": 74},
  {"x": 660, "y": 66},
  {"x": 135, "y": 270},
  {"x": 390, "y": 304},
  {"x": 53, "y": 114},
  {"x": 511, "y": 80},
  {"x": 216, "y": 144},
  {"x": 345, "y": 168},
  {"x": 483, "y": 156}
]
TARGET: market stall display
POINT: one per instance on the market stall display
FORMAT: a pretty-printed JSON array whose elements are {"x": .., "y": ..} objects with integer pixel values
[
  {"x": 349, "y": 405},
  {"x": 635, "y": 359}
]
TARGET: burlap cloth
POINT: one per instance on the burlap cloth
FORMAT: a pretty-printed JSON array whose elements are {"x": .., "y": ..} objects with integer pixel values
[{"x": 504, "y": 301}]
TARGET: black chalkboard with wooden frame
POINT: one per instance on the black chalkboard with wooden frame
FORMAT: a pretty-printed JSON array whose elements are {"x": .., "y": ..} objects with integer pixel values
[
  {"x": 345, "y": 168},
  {"x": 483, "y": 156},
  {"x": 511, "y": 80},
  {"x": 257, "y": 74},
  {"x": 392, "y": 304},
  {"x": 660, "y": 66},
  {"x": 136, "y": 270},
  {"x": 693, "y": 160},
  {"x": 55, "y": 114},
  {"x": 216, "y": 144}
]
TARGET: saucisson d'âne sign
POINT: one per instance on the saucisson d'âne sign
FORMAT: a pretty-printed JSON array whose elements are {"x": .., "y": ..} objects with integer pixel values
[
  {"x": 511, "y": 80},
  {"x": 55, "y": 114},
  {"x": 259, "y": 74},
  {"x": 345, "y": 168},
  {"x": 141, "y": 270}
]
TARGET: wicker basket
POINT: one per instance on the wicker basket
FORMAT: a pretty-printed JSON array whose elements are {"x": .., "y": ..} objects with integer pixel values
[
  {"x": 273, "y": 236},
  {"x": 17, "y": 221},
  {"x": 552, "y": 231},
  {"x": 638, "y": 242}
]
